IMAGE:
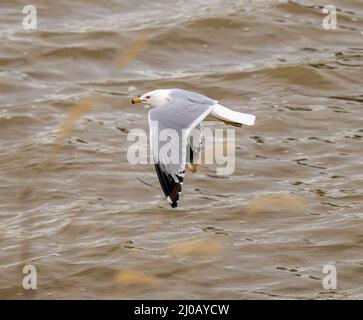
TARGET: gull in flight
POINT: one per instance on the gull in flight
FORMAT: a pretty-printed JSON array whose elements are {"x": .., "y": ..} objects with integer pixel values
[{"x": 181, "y": 112}]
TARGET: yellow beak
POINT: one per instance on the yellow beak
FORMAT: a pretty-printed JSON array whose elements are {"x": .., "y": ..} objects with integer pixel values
[{"x": 136, "y": 100}]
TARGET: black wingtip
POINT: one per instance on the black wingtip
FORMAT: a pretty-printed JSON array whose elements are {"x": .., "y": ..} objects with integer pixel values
[{"x": 171, "y": 188}]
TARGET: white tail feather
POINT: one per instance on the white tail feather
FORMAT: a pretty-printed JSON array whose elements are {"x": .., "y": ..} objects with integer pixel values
[{"x": 226, "y": 114}]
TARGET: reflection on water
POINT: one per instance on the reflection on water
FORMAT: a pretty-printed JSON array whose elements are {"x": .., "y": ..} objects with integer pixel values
[{"x": 96, "y": 226}]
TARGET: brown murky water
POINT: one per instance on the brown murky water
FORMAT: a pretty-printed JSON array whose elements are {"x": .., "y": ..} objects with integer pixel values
[{"x": 96, "y": 226}]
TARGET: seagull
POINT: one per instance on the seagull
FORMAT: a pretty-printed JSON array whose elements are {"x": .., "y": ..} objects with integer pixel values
[{"x": 181, "y": 111}]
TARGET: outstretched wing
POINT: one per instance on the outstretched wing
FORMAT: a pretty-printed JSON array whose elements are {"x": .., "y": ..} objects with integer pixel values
[
  {"x": 170, "y": 127},
  {"x": 194, "y": 148}
]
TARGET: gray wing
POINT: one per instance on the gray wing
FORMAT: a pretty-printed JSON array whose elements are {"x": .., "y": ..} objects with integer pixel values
[
  {"x": 192, "y": 97},
  {"x": 170, "y": 127}
]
